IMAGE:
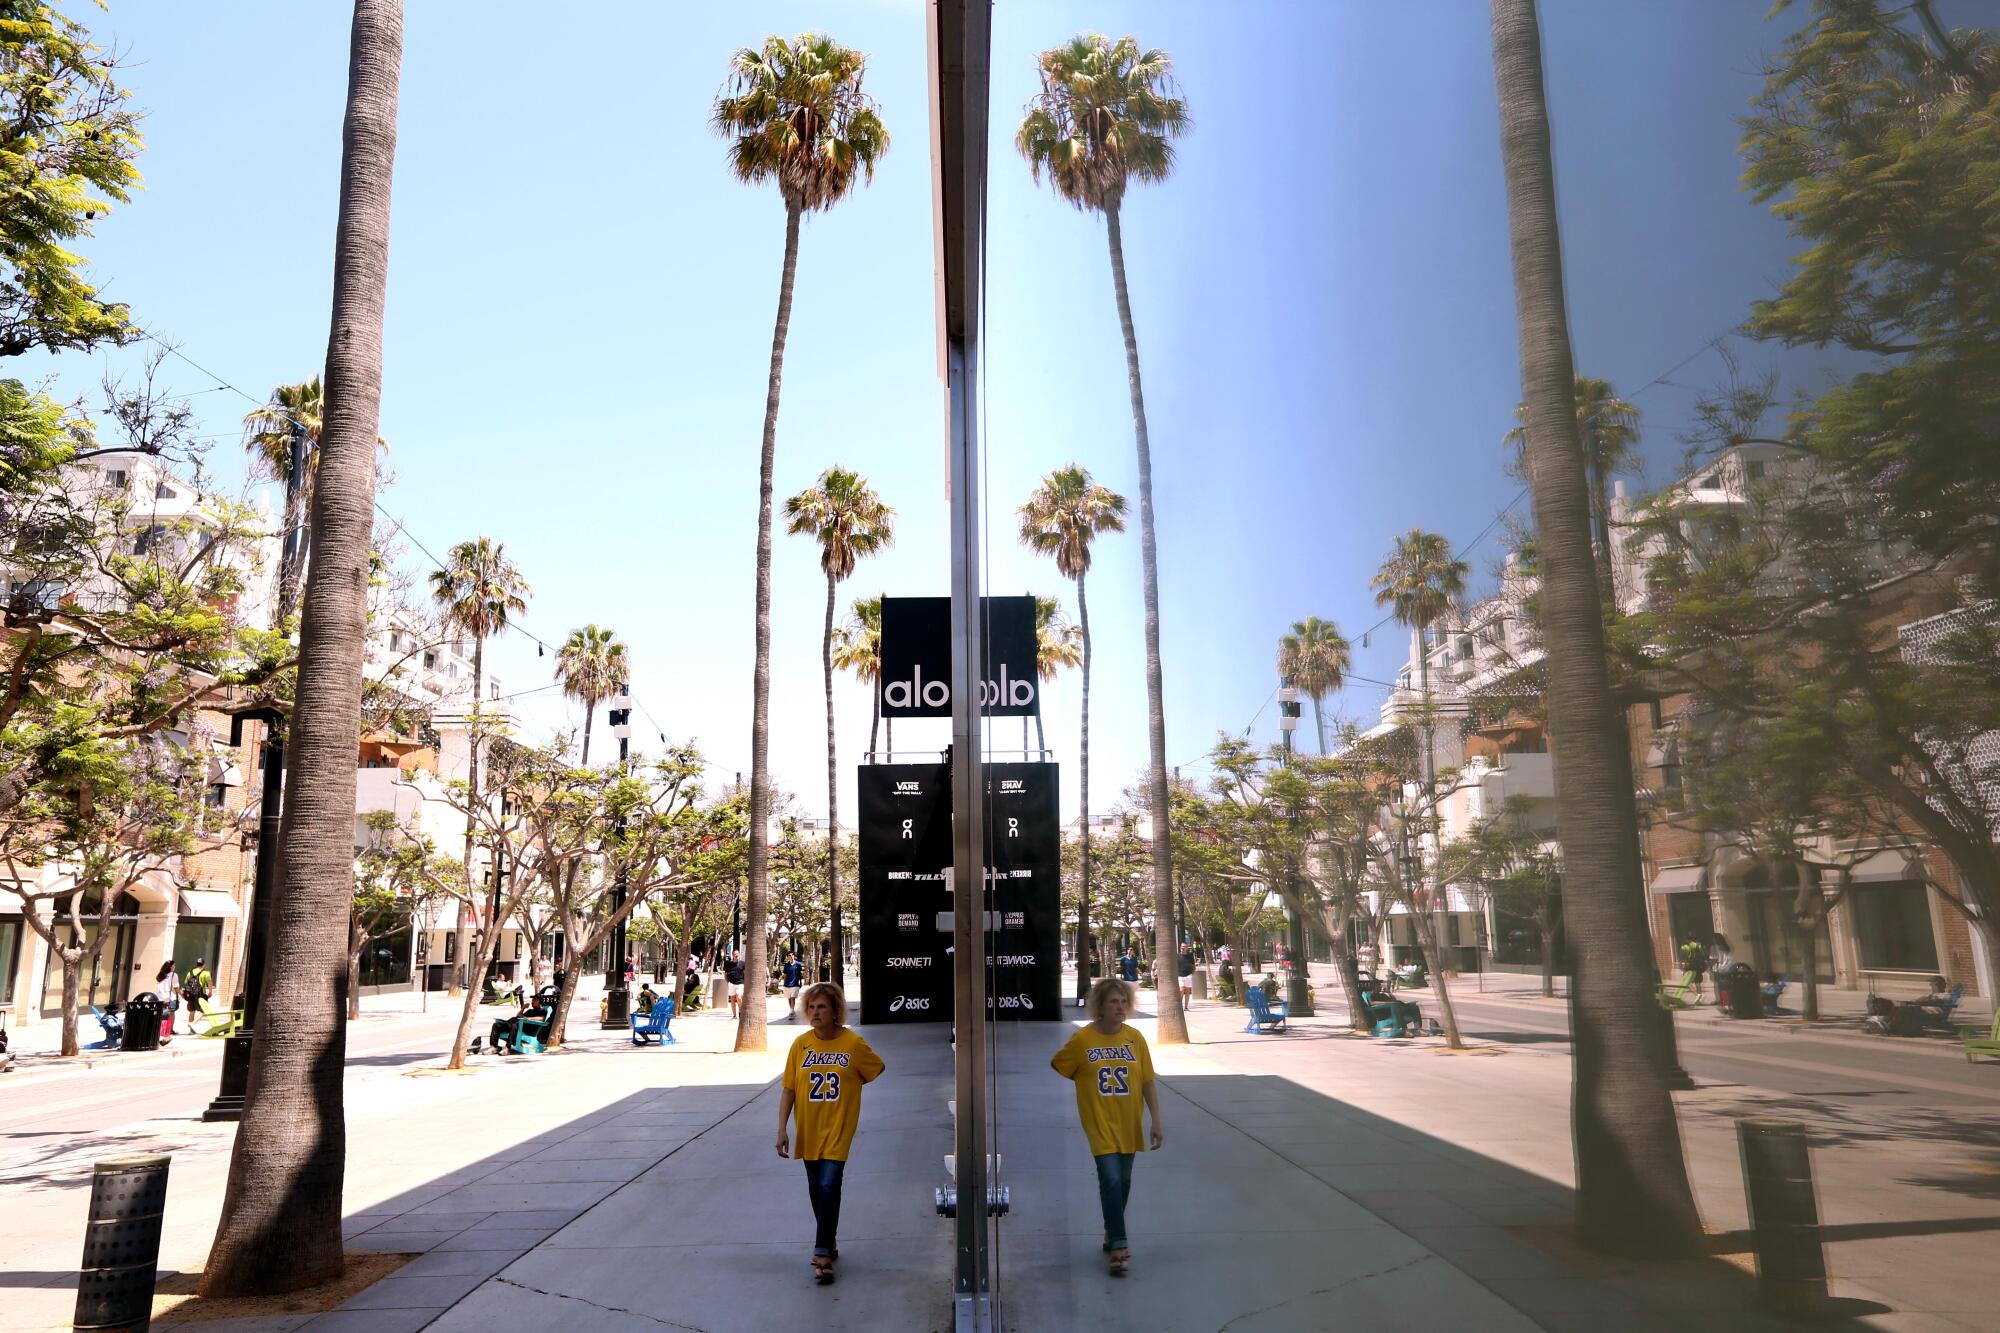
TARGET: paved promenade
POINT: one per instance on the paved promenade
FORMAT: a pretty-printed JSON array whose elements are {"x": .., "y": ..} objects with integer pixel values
[{"x": 1311, "y": 1180}]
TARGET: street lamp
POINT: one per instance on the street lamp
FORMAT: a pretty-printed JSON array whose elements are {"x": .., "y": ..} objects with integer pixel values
[
  {"x": 617, "y": 1000},
  {"x": 228, "y": 1103},
  {"x": 1298, "y": 999}
]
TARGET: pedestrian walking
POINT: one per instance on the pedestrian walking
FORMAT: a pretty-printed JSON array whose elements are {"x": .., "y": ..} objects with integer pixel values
[
  {"x": 167, "y": 985},
  {"x": 631, "y": 971},
  {"x": 733, "y": 973},
  {"x": 1186, "y": 968},
  {"x": 828, "y": 1064},
  {"x": 196, "y": 987},
  {"x": 794, "y": 977},
  {"x": 1128, "y": 966},
  {"x": 1108, "y": 1062}
]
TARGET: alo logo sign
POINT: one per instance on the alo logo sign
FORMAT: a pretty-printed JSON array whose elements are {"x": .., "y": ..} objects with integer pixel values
[
  {"x": 917, "y": 695},
  {"x": 909, "y": 1003}
]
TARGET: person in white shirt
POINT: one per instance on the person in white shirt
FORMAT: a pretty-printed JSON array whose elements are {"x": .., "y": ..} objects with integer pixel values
[{"x": 167, "y": 985}]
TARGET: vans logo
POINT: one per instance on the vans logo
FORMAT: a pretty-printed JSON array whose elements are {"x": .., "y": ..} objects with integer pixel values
[
  {"x": 1012, "y": 784},
  {"x": 910, "y": 788}
]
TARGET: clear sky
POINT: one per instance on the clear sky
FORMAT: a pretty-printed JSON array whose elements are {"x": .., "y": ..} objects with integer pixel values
[{"x": 581, "y": 299}]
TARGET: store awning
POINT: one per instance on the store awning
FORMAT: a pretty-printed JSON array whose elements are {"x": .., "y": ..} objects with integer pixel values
[
  {"x": 1891, "y": 863},
  {"x": 208, "y": 903},
  {"x": 1680, "y": 879}
]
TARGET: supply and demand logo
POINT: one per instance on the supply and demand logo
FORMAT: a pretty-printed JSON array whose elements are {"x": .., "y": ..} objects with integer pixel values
[{"x": 916, "y": 657}]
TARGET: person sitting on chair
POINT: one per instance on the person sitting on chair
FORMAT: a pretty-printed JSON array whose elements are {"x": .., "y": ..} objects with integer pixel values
[{"x": 647, "y": 999}]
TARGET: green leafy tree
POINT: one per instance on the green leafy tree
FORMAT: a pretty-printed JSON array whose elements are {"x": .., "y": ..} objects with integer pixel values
[
  {"x": 1874, "y": 140},
  {"x": 280, "y": 1225},
  {"x": 396, "y": 873},
  {"x": 1632, "y": 1184},
  {"x": 590, "y": 666},
  {"x": 842, "y": 512},
  {"x": 112, "y": 814},
  {"x": 1315, "y": 657},
  {"x": 1107, "y": 115},
  {"x": 68, "y": 144},
  {"x": 1062, "y": 518},
  {"x": 794, "y": 113},
  {"x": 478, "y": 592}
]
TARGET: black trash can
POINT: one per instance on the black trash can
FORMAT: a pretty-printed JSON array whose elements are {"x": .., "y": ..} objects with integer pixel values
[
  {"x": 1743, "y": 996},
  {"x": 142, "y": 1023}
]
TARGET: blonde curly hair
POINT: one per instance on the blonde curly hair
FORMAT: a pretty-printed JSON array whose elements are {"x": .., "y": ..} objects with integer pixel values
[
  {"x": 833, "y": 995},
  {"x": 1093, "y": 1004}
]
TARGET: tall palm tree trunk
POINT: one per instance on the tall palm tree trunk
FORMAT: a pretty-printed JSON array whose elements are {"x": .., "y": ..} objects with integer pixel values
[
  {"x": 750, "y": 1019},
  {"x": 460, "y": 931},
  {"x": 832, "y": 794},
  {"x": 1427, "y": 771},
  {"x": 1319, "y": 725},
  {"x": 874, "y": 715},
  {"x": 1083, "y": 950},
  {"x": 1173, "y": 1023},
  {"x": 280, "y": 1226},
  {"x": 1632, "y": 1184},
  {"x": 589, "y": 716}
]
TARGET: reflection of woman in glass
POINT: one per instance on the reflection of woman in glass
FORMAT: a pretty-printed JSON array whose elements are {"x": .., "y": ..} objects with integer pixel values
[{"x": 1108, "y": 1061}]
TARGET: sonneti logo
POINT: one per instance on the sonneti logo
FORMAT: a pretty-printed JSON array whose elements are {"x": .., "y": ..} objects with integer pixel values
[
  {"x": 909, "y": 1003},
  {"x": 916, "y": 692},
  {"x": 918, "y": 961},
  {"x": 1014, "y": 960}
]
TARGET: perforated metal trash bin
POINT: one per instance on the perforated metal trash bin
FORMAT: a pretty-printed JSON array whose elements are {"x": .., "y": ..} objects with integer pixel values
[
  {"x": 121, "y": 1243},
  {"x": 1742, "y": 995},
  {"x": 142, "y": 1023}
]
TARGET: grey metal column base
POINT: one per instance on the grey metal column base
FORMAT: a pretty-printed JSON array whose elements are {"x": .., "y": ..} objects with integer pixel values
[
  {"x": 972, "y": 1314},
  {"x": 228, "y": 1103}
]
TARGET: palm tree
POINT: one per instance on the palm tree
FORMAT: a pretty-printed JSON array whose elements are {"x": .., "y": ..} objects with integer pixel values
[
  {"x": 1106, "y": 116},
  {"x": 282, "y": 439},
  {"x": 793, "y": 113},
  {"x": 849, "y": 521},
  {"x": 1608, "y": 432},
  {"x": 1419, "y": 582},
  {"x": 857, "y": 647},
  {"x": 1314, "y": 657},
  {"x": 281, "y": 1211},
  {"x": 1058, "y": 644},
  {"x": 1632, "y": 1185},
  {"x": 590, "y": 666},
  {"x": 1062, "y": 517},
  {"x": 476, "y": 592}
]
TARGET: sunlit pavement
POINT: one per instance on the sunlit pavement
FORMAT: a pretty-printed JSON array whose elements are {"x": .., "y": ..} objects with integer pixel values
[{"x": 1310, "y": 1180}]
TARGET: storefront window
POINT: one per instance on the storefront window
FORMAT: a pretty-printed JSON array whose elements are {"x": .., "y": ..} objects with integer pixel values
[
  {"x": 10, "y": 958},
  {"x": 100, "y": 982},
  {"x": 386, "y": 960},
  {"x": 1892, "y": 925}
]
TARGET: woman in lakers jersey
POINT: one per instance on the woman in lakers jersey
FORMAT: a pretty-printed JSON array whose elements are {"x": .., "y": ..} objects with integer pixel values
[
  {"x": 823, "y": 1076},
  {"x": 1108, "y": 1061}
]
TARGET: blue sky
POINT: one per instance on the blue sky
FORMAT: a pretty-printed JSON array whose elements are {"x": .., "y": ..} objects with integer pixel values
[{"x": 581, "y": 299}]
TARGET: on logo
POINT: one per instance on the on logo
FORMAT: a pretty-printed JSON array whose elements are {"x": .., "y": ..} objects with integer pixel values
[
  {"x": 1013, "y": 827},
  {"x": 908, "y": 825}
]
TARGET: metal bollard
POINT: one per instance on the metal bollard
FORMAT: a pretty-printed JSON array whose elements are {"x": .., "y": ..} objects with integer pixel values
[
  {"x": 1678, "y": 1077},
  {"x": 1784, "y": 1212},
  {"x": 121, "y": 1243},
  {"x": 1201, "y": 983}
]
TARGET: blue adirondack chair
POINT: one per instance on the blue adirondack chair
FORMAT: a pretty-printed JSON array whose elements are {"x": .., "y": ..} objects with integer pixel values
[
  {"x": 1265, "y": 1014},
  {"x": 1936, "y": 1021},
  {"x": 652, "y": 1027}
]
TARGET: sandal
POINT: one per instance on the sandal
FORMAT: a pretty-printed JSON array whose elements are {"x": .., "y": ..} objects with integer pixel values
[
  {"x": 823, "y": 1269},
  {"x": 1120, "y": 1259}
]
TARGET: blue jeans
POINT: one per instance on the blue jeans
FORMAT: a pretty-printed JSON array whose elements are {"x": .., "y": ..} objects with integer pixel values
[
  {"x": 1114, "y": 1187},
  {"x": 823, "y": 1185}
]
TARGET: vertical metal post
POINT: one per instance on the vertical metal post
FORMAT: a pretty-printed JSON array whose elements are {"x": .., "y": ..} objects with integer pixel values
[
  {"x": 235, "y": 1086},
  {"x": 617, "y": 999}
]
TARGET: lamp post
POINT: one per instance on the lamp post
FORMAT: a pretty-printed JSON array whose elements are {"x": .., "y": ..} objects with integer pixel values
[
  {"x": 617, "y": 1000},
  {"x": 1298, "y": 999},
  {"x": 228, "y": 1103}
]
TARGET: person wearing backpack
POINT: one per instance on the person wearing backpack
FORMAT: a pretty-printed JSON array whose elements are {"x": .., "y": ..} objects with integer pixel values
[{"x": 196, "y": 987}]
